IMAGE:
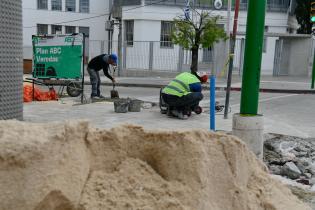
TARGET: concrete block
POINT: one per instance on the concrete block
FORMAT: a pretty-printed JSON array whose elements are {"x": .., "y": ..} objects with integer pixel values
[{"x": 250, "y": 130}]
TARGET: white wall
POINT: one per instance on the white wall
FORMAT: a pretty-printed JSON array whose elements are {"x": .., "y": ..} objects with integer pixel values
[
  {"x": 32, "y": 16},
  {"x": 299, "y": 55}
]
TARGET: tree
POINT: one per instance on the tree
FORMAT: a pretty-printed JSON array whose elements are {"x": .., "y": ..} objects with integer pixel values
[
  {"x": 191, "y": 34},
  {"x": 302, "y": 13}
]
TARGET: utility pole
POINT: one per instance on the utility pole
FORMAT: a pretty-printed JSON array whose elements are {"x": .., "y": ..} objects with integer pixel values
[
  {"x": 248, "y": 125},
  {"x": 228, "y": 25},
  {"x": 253, "y": 55},
  {"x": 119, "y": 47},
  {"x": 231, "y": 60}
]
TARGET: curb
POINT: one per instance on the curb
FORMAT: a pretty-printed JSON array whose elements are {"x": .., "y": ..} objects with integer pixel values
[{"x": 268, "y": 90}]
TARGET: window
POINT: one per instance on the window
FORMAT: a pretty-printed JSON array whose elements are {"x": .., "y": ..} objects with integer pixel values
[
  {"x": 166, "y": 30},
  {"x": 70, "y": 5},
  {"x": 56, "y": 29},
  {"x": 70, "y": 29},
  {"x": 129, "y": 32},
  {"x": 85, "y": 6},
  {"x": 42, "y": 4},
  {"x": 56, "y": 5},
  {"x": 42, "y": 29},
  {"x": 85, "y": 30}
]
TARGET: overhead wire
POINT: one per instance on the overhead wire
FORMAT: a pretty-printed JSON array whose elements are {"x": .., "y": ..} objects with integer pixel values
[{"x": 101, "y": 15}]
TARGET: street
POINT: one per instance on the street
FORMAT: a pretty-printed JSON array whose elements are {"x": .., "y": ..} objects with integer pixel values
[
  {"x": 285, "y": 113},
  {"x": 289, "y": 114}
]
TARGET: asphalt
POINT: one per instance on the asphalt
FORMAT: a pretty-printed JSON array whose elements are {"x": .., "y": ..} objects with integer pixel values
[
  {"x": 296, "y": 85},
  {"x": 288, "y": 121}
]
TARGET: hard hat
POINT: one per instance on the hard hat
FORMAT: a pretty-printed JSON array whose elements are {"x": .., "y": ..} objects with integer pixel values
[
  {"x": 204, "y": 78},
  {"x": 114, "y": 57}
]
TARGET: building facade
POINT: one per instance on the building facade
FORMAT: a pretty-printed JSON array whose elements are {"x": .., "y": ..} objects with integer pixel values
[
  {"x": 149, "y": 21},
  {"x": 64, "y": 17}
]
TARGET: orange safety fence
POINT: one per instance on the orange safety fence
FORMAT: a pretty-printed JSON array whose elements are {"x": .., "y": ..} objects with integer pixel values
[{"x": 38, "y": 94}]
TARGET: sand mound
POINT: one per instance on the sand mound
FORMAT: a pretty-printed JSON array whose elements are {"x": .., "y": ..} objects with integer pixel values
[{"x": 74, "y": 167}]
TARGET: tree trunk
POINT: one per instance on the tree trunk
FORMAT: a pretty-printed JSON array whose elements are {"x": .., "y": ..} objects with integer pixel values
[{"x": 194, "y": 60}]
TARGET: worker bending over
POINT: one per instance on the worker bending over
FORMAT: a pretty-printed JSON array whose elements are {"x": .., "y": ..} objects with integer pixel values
[
  {"x": 95, "y": 65},
  {"x": 183, "y": 94}
]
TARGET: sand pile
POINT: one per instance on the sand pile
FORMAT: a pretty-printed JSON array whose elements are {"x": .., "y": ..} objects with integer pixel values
[{"x": 74, "y": 167}]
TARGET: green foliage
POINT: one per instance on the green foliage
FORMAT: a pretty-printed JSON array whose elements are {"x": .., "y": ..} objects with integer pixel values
[
  {"x": 302, "y": 13},
  {"x": 204, "y": 32}
]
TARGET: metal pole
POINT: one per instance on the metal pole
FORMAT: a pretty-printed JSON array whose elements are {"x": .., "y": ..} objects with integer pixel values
[
  {"x": 253, "y": 56},
  {"x": 232, "y": 49},
  {"x": 228, "y": 25},
  {"x": 83, "y": 55},
  {"x": 212, "y": 94},
  {"x": 119, "y": 48},
  {"x": 212, "y": 102},
  {"x": 313, "y": 72}
]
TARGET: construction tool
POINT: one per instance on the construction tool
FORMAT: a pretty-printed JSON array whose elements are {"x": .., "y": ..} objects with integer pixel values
[{"x": 114, "y": 93}]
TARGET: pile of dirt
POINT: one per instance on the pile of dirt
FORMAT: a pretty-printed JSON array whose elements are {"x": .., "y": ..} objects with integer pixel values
[{"x": 74, "y": 167}]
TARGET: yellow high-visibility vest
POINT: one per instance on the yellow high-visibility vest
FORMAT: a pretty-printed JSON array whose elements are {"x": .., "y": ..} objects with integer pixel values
[{"x": 180, "y": 85}]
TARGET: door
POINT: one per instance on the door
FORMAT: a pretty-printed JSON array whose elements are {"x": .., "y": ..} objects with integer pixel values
[{"x": 281, "y": 59}]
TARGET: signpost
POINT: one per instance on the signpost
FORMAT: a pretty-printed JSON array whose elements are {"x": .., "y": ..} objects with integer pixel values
[{"x": 58, "y": 56}]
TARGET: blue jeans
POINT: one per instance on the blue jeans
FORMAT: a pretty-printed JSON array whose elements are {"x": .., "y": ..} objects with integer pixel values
[
  {"x": 190, "y": 100},
  {"x": 95, "y": 82}
]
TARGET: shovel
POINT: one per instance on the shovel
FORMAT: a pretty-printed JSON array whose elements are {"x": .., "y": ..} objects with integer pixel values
[{"x": 114, "y": 93}]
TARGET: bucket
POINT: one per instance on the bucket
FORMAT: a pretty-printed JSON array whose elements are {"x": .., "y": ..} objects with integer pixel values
[
  {"x": 121, "y": 106},
  {"x": 134, "y": 105}
]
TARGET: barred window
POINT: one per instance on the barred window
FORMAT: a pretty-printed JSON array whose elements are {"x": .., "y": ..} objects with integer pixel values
[
  {"x": 42, "y": 4},
  {"x": 42, "y": 29},
  {"x": 56, "y": 5},
  {"x": 70, "y": 5},
  {"x": 70, "y": 29},
  {"x": 166, "y": 30},
  {"x": 84, "y": 6},
  {"x": 56, "y": 29},
  {"x": 129, "y": 32},
  {"x": 85, "y": 30}
]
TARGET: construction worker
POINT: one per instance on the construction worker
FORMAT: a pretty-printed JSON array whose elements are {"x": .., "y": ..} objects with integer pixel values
[
  {"x": 183, "y": 94},
  {"x": 95, "y": 65}
]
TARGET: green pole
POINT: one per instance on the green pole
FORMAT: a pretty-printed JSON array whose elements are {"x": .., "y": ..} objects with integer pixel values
[
  {"x": 252, "y": 58},
  {"x": 313, "y": 72}
]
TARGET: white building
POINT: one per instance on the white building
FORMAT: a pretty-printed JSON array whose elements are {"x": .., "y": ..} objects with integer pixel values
[
  {"x": 148, "y": 21},
  {"x": 146, "y": 33},
  {"x": 64, "y": 16}
]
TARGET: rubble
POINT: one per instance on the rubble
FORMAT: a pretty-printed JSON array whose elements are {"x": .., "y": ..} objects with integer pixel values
[{"x": 293, "y": 158}]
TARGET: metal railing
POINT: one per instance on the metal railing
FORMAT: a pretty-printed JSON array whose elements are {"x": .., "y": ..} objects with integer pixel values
[{"x": 153, "y": 56}]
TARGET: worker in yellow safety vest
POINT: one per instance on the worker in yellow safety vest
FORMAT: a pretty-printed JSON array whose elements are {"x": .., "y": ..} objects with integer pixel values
[{"x": 183, "y": 94}]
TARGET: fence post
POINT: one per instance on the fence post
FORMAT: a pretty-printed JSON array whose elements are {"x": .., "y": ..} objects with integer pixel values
[
  {"x": 102, "y": 47},
  {"x": 242, "y": 49},
  {"x": 151, "y": 56},
  {"x": 124, "y": 55},
  {"x": 180, "y": 59}
]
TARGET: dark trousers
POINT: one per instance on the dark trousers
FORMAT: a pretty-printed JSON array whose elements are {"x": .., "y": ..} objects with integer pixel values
[
  {"x": 95, "y": 82},
  {"x": 190, "y": 100}
]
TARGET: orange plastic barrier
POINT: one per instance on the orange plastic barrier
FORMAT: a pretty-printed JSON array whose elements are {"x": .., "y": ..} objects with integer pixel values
[{"x": 38, "y": 94}]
